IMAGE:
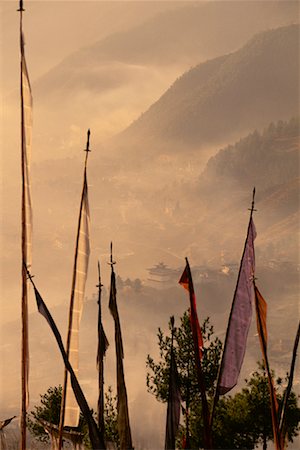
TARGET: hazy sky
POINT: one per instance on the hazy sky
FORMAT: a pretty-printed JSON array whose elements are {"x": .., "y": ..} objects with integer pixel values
[{"x": 54, "y": 29}]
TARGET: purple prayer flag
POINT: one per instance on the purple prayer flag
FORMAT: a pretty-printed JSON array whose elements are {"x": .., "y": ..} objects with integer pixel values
[{"x": 240, "y": 318}]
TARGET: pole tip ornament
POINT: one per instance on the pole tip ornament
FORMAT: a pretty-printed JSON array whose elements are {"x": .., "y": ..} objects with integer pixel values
[
  {"x": 111, "y": 262},
  {"x": 21, "y": 6},
  {"x": 172, "y": 320},
  {"x": 253, "y": 201},
  {"x": 187, "y": 264},
  {"x": 87, "y": 149}
]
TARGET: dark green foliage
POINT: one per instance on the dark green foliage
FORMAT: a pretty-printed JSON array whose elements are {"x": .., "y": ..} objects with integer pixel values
[
  {"x": 48, "y": 410},
  {"x": 242, "y": 421},
  {"x": 158, "y": 377},
  {"x": 135, "y": 285},
  {"x": 246, "y": 416},
  {"x": 110, "y": 418}
]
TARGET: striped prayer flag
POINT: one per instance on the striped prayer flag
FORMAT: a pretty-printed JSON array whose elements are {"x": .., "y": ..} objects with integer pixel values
[
  {"x": 82, "y": 253},
  {"x": 26, "y": 141}
]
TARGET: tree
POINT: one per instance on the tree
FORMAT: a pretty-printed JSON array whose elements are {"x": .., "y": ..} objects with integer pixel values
[
  {"x": 49, "y": 410},
  {"x": 158, "y": 374},
  {"x": 247, "y": 416},
  {"x": 110, "y": 417},
  {"x": 241, "y": 421}
]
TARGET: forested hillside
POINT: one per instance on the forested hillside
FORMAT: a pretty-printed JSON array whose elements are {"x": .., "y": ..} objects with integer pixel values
[
  {"x": 262, "y": 159},
  {"x": 226, "y": 97}
]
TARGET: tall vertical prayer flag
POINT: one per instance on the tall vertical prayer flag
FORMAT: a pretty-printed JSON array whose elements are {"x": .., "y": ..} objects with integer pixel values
[
  {"x": 122, "y": 402},
  {"x": 77, "y": 296},
  {"x": 187, "y": 282},
  {"x": 102, "y": 347},
  {"x": 174, "y": 400},
  {"x": 26, "y": 119},
  {"x": 26, "y": 141},
  {"x": 69, "y": 414},
  {"x": 240, "y": 318},
  {"x": 261, "y": 318},
  {"x": 96, "y": 437}
]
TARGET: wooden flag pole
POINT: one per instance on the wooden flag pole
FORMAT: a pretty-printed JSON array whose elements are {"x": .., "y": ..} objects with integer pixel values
[
  {"x": 174, "y": 397},
  {"x": 187, "y": 409},
  {"x": 122, "y": 402},
  {"x": 172, "y": 320},
  {"x": 260, "y": 304},
  {"x": 24, "y": 307},
  {"x": 205, "y": 409},
  {"x": 100, "y": 360},
  {"x": 287, "y": 392}
]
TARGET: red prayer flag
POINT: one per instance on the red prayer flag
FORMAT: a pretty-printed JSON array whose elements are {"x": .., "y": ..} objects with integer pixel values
[
  {"x": 261, "y": 318},
  {"x": 187, "y": 282}
]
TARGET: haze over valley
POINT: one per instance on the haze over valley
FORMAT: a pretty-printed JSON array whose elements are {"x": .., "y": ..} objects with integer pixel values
[{"x": 190, "y": 105}]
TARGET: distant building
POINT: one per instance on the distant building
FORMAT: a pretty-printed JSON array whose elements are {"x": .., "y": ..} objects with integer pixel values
[{"x": 162, "y": 276}]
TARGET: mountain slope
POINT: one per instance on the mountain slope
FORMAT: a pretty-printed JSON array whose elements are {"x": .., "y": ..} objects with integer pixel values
[
  {"x": 159, "y": 41},
  {"x": 107, "y": 85},
  {"x": 187, "y": 34},
  {"x": 229, "y": 95},
  {"x": 268, "y": 160},
  {"x": 264, "y": 159}
]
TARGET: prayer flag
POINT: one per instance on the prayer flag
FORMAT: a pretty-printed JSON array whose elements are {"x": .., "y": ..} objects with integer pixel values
[
  {"x": 174, "y": 403},
  {"x": 82, "y": 253},
  {"x": 26, "y": 141},
  {"x": 261, "y": 318},
  {"x": 95, "y": 436},
  {"x": 240, "y": 318},
  {"x": 122, "y": 402},
  {"x": 187, "y": 282}
]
